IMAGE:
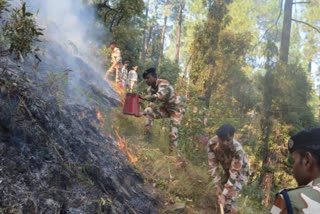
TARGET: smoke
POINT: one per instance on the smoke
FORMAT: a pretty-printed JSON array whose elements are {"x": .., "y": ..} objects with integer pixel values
[
  {"x": 70, "y": 22},
  {"x": 74, "y": 26}
]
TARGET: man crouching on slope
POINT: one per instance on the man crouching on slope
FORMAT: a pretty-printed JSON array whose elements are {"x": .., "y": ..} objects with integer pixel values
[
  {"x": 223, "y": 149},
  {"x": 164, "y": 103}
]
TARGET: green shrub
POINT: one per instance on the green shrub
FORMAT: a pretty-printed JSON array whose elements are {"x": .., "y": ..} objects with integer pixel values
[{"x": 19, "y": 32}]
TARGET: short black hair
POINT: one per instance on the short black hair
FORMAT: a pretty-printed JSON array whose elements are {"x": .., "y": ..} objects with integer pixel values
[
  {"x": 112, "y": 43},
  {"x": 126, "y": 62},
  {"x": 225, "y": 131},
  {"x": 151, "y": 71}
]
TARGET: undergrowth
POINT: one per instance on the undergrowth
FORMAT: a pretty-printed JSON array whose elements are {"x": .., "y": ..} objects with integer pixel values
[{"x": 181, "y": 185}]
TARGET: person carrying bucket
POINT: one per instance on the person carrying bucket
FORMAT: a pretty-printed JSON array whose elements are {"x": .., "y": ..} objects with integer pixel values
[{"x": 164, "y": 103}]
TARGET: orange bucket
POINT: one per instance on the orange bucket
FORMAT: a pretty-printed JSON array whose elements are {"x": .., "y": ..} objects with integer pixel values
[{"x": 131, "y": 104}]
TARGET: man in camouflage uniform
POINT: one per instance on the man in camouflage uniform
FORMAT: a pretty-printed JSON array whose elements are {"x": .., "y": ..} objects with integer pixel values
[
  {"x": 304, "y": 148},
  {"x": 164, "y": 104},
  {"x": 223, "y": 149},
  {"x": 116, "y": 61}
]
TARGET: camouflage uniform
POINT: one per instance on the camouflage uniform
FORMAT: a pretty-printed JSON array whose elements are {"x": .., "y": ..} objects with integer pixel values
[
  {"x": 305, "y": 199},
  {"x": 164, "y": 104},
  {"x": 116, "y": 61},
  {"x": 132, "y": 79},
  {"x": 235, "y": 165}
]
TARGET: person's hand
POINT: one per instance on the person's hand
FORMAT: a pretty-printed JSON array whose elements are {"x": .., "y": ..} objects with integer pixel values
[
  {"x": 142, "y": 97},
  {"x": 204, "y": 140},
  {"x": 218, "y": 192},
  {"x": 140, "y": 114},
  {"x": 221, "y": 199}
]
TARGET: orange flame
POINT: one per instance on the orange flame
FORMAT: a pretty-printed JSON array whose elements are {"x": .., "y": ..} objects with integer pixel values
[
  {"x": 100, "y": 117},
  {"x": 123, "y": 147}
]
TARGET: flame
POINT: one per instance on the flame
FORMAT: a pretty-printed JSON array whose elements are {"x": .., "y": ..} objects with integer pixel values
[
  {"x": 123, "y": 147},
  {"x": 100, "y": 118}
]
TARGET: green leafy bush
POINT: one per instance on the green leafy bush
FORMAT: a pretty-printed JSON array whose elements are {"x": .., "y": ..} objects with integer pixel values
[{"x": 19, "y": 31}]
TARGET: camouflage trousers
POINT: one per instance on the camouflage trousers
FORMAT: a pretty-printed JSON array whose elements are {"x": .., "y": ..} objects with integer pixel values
[{"x": 156, "y": 112}]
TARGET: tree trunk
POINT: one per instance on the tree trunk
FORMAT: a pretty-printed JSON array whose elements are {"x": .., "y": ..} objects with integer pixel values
[
  {"x": 269, "y": 158},
  {"x": 181, "y": 6},
  {"x": 209, "y": 85},
  {"x": 286, "y": 29},
  {"x": 266, "y": 124},
  {"x": 143, "y": 54},
  {"x": 154, "y": 16},
  {"x": 268, "y": 177},
  {"x": 310, "y": 66},
  {"x": 163, "y": 35}
]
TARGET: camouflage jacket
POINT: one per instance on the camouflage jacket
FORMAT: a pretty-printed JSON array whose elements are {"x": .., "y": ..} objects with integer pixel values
[
  {"x": 116, "y": 57},
  {"x": 132, "y": 76},
  {"x": 233, "y": 160},
  {"x": 305, "y": 199},
  {"x": 165, "y": 96}
]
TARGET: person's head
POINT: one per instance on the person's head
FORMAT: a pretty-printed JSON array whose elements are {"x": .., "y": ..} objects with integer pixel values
[
  {"x": 225, "y": 133},
  {"x": 135, "y": 68},
  {"x": 150, "y": 76},
  {"x": 304, "y": 148},
  {"x": 126, "y": 63},
  {"x": 112, "y": 45}
]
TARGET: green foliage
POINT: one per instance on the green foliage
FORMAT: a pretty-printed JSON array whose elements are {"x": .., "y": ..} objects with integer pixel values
[
  {"x": 128, "y": 39},
  {"x": 19, "y": 32},
  {"x": 123, "y": 21},
  {"x": 117, "y": 12},
  {"x": 292, "y": 98},
  {"x": 3, "y": 7},
  {"x": 169, "y": 70}
]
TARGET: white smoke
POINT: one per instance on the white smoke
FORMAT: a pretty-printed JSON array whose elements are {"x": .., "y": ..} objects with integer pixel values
[
  {"x": 74, "y": 26},
  {"x": 69, "y": 21}
]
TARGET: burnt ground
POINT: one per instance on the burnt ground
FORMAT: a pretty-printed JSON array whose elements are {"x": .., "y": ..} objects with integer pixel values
[{"x": 53, "y": 158}]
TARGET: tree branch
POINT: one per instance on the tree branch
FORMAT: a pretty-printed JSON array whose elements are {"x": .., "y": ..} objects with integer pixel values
[
  {"x": 302, "y": 22},
  {"x": 301, "y": 2}
]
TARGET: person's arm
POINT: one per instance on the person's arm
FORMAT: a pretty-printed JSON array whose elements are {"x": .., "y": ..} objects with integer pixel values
[
  {"x": 237, "y": 176},
  {"x": 213, "y": 163},
  {"x": 279, "y": 205},
  {"x": 163, "y": 94}
]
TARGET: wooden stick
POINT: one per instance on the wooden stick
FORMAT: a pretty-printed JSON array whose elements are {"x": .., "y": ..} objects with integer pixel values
[{"x": 221, "y": 209}]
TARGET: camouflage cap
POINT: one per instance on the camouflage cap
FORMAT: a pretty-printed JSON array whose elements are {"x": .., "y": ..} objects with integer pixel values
[{"x": 305, "y": 140}]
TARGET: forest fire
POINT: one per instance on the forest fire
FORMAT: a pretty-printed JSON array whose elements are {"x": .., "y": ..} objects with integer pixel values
[
  {"x": 100, "y": 118},
  {"x": 123, "y": 147}
]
